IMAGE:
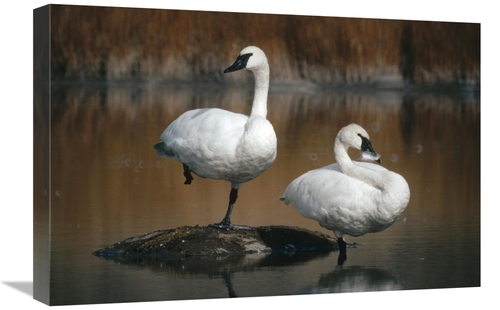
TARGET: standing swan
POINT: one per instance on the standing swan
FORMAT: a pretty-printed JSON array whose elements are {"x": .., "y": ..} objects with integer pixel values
[
  {"x": 348, "y": 197},
  {"x": 223, "y": 145}
]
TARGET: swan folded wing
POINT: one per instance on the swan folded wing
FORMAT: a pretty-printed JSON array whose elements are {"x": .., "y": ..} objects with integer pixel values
[
  {"x": 321, "y": 195},
  {"x": 365, "y": 210},
  {"x": 396, "y": 199},
  {"x": 205, "y": 140}
]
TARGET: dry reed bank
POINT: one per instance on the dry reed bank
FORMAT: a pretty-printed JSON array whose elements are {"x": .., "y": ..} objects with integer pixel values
[{"x": 117, "y": 44}]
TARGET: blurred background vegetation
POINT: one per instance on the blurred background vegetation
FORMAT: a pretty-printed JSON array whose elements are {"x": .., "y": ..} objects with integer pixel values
[{"x": 128, "y": 44}]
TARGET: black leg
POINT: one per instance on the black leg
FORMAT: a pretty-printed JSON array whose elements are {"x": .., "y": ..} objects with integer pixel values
[
  {"x": 187, "y": 174},
  {"x": 227, "y": 278},
  {"x": 342, "y": 251},
  {"x": 226, "y": 221}
]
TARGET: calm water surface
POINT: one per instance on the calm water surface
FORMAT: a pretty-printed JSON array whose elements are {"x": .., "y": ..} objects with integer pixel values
[{"x": 108, "y": 184}]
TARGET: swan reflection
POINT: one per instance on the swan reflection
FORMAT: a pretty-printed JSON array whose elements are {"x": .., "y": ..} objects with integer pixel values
[
  {"x": 354, "y": 279},
  {"x": 256, "y": 265},
  {"x": 234, "y": 273}
]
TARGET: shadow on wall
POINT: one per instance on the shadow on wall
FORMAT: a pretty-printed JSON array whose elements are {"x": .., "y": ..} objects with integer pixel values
[{"x": 24, "y": 287}]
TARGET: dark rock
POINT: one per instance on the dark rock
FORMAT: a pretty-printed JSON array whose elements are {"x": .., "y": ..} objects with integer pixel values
[{"x": 205, "y": 241}]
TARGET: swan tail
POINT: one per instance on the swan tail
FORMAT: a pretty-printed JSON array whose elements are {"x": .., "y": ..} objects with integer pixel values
[
  {"x": 161, "y": 150},
  {"x": 283, "y": 198}
]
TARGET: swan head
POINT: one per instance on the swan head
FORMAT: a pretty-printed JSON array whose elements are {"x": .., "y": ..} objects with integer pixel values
[
  {"x": 251, "y": 58},
  {"x": 356, "y": 136}
]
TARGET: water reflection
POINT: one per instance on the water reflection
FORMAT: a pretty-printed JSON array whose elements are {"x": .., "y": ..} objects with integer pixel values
[
  {"x": 220, "y": 268},
  {"x": 340, "y": 280},
  {"x": 354, "y": 279},
  {"x": 108, "y": 184}
]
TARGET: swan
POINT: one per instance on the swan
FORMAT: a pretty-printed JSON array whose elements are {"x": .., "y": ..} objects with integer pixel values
[
  {"x": 348, "y": 197},
  {"x": 222, "y": 145}
]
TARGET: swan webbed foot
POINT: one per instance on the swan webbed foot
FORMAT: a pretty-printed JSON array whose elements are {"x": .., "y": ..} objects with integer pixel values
[
  {"x": 187, "y": 174},
  {"x": 342, "y": 251}
]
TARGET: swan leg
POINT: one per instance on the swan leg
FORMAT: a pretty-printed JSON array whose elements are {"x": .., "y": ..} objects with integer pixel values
[
  {"x": 226, "y": 221},
  {"x": 187, "y": 174},
  {"x": 343, "y": 251},
  {"x": 227, "y": 279}
]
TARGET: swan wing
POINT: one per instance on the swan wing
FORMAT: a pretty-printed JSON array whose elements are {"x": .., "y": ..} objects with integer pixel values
[
  {"x": 205, "y": 140},
  {"x": 326, "y": 188},
  {"x": 209, "y": 131},
  {"x": 338, "y": 202}
]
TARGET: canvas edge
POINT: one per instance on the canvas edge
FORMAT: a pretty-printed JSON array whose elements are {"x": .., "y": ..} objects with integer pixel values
[{"x": 41, "y": 154}]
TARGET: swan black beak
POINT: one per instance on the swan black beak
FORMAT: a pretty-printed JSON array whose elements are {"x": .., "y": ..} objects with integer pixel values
[
  {"x": 366, "y": 147},
  {"x": 239, "y": 63}
]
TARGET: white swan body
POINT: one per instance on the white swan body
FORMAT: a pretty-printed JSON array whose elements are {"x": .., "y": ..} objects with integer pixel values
[
  {"x": 222, "y": 145},
  {"x": 348, "y": 197}
]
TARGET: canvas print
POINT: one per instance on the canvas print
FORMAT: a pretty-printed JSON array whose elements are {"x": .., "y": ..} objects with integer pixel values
[{"x": 195, "y": 155}]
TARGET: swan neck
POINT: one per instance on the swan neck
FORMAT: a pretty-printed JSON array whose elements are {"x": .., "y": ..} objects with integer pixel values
[
  {"x": 349, "y": 168},
  {"x": 259, "y": 106},
  {"x": 393, "y": 191},
  {"x": 341, "y": 156}
]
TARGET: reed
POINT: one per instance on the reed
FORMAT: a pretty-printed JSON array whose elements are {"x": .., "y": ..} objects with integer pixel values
[{"x": 120, "y": 44}]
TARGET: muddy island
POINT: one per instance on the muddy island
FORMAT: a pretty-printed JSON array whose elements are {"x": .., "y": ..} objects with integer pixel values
[{"x": 205, "y": 241}]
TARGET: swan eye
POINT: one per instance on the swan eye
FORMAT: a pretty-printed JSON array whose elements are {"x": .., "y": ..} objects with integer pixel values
[
  {"x": 244, "y": 59},
  {"x": 362, "y": 138}
]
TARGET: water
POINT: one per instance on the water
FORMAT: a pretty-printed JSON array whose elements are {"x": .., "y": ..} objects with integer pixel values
[{"x": 108, "y": 184}]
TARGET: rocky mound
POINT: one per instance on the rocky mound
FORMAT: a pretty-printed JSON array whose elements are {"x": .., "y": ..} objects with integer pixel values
[{"x": 205, "y": 241}]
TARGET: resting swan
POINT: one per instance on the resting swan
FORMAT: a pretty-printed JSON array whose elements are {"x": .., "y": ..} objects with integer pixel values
[
  {"x": 348, "y": 197},
  {"x": 222, "y": 145}
]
